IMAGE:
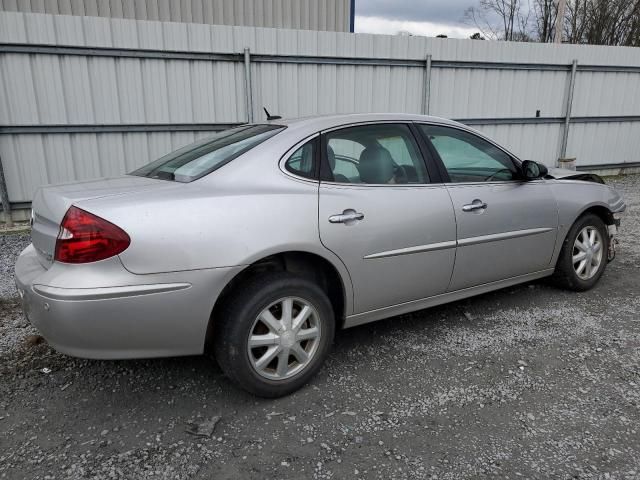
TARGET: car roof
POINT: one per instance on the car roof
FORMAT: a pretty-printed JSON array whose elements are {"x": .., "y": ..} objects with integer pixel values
[
  {"x": 299, "y": 128},
  {"x": 321, "y": 122}
]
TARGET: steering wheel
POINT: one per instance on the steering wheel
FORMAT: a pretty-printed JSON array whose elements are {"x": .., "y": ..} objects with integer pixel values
[{"x": 490, "y": 177}]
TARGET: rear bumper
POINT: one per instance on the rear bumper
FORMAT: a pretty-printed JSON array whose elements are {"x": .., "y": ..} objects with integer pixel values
[{"x": 101, "y": 310}]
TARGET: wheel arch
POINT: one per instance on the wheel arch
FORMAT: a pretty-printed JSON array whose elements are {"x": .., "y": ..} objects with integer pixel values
[
  {"x": 601, "y": 210},
  {"x": 330, "y": 275},
  {"x": 570, "y": 212},
  {"x": 564, "y": 274}
]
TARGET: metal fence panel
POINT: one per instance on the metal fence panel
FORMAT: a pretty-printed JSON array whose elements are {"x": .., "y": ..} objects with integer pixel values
[
  {"x": 466, "y": 93},
  {"x": 113, "y": 110},
  {"x": 605, "y": 143},
  {"x": 301, "y": 90},
  {"x": 529, "y": 142},
  {"x": 607, "y": 93}
]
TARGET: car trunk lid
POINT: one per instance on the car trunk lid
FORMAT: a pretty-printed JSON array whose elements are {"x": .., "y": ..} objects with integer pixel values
[{"x": 52, "y": 202}]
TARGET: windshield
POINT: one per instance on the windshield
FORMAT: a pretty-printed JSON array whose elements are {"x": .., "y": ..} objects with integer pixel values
[{"x": 204, "y": 156}]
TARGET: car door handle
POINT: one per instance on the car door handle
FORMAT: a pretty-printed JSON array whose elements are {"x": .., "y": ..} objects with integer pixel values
[
  {"x": 348, "y": 216},
  {"x": 475, "y": 205}
]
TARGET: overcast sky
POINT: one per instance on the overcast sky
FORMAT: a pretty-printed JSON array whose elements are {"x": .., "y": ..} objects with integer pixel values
[{"x": 420, "y": 17}]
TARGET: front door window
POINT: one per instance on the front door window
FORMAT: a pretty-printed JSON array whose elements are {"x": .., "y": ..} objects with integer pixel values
[{"x": 469, "y": 158}]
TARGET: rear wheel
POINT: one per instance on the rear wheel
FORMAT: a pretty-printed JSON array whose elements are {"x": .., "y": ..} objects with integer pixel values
[
  {"x": 583, "y": 257},
  {"x": 273, "y": 333}
]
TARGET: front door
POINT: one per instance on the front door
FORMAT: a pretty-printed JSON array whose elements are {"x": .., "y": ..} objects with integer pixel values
[
  {"x": 506, "y": 227},
  {"x": 392, "y": 228}
]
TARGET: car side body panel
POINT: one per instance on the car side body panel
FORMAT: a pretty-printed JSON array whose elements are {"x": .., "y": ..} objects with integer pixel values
[
  {"x": 514, "y": 235},
  {"x": 402, "y": 250},
  {"x": 100, "y": 310},
  {"x": 574, "y": 197},
  {"x": 189, "y": 240}
]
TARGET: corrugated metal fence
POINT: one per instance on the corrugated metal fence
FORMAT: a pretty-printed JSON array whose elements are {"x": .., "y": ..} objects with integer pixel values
[{"x": 85, "y": 97}]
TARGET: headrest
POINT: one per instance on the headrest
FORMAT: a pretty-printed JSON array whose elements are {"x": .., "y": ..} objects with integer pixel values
[
  {"x": 331, "y": 157},
  {"x": 376, "y": 165}
]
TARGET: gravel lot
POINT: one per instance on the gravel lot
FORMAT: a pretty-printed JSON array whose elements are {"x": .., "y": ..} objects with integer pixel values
[{"x": 525, "y": 382}]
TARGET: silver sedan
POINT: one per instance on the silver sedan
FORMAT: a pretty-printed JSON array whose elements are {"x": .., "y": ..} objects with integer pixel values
[{"x": 260, "y": 241}]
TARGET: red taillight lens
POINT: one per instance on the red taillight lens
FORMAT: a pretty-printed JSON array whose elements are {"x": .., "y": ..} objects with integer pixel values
[{"x": 84, "y": 238}]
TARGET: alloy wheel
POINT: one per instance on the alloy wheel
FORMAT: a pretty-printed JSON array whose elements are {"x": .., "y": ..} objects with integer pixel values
[
  {"x": 284, "y": 338},
  {"x": 587, "y": 252}
]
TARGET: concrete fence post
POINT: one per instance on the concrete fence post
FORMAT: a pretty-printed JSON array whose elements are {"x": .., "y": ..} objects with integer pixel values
[
  {"x": 567, "y": 111},
  {"x": 247, "y": 85},
  {"x": 4, "y": 197}
]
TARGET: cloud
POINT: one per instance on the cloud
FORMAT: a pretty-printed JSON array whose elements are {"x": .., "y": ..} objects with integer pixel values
[
  {"x": 388, "y": 26},
  {"x": 450, "y": 12}
]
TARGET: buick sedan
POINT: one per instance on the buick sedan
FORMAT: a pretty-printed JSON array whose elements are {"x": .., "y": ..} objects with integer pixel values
[{"x": 261, "y": 241}]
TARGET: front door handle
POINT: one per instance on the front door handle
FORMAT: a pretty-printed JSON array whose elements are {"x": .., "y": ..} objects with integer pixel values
[
  {"x": 475, "y": 205},
  {"x": 349, "y": 216}
]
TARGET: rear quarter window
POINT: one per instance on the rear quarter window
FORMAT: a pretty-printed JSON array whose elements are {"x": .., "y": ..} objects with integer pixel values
[
  {"x": 302, "y": 162},
  {"x": 200, "y": 158}
]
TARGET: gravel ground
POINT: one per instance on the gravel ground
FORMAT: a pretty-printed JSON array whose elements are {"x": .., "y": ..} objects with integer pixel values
[
  {"x": 11, "y": 244},
  {"x": 527, "y": 382}
]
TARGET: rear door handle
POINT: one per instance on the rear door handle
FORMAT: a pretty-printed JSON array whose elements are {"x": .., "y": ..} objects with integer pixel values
[
  {"x": 349, "y": 216},
  {"x": 475, "y": 205}
]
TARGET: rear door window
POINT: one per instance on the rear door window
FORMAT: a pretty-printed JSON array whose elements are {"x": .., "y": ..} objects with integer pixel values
[{"x": 380, "y": 154}]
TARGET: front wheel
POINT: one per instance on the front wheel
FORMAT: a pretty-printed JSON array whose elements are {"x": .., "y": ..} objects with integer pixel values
[
  {"x": 583, "y": 257},
  {"x": 274, "y": 333}
]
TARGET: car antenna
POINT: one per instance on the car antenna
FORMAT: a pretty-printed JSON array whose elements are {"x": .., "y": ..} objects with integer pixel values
[{"x": 269, "y": 116}]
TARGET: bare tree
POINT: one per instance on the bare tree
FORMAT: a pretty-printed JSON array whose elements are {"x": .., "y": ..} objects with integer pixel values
[
  {"x": 601, "y": 22},
  {"x": 545, "y": 12},
  {"x": 501, "y": 19},
  {"x": 575, "y": 20}
]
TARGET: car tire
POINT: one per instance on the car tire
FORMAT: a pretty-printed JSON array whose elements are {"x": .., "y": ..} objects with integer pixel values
[
  {"x": 569, "y": 272},
  {"x": 256, "y": 311}
]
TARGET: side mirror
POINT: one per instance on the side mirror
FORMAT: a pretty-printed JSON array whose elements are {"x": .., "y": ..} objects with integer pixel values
[{"x": 533, "y": 170}]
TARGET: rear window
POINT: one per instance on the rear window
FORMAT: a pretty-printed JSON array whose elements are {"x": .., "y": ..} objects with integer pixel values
[{"x": 204, "y": 156}]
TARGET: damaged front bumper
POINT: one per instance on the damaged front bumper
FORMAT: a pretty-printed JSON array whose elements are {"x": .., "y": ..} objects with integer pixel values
[{"x": 613, "y": 231}]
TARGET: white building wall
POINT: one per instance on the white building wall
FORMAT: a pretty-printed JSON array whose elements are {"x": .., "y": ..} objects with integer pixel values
[{"x": 331, "y": 15}]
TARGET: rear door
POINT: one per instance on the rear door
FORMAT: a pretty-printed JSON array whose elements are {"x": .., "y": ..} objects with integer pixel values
[
  {"x": 380, "y": 212},
  {"x": 506, "y": 227}
]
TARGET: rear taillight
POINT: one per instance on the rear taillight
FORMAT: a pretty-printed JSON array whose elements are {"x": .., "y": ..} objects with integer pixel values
[{"x": 84, "y": 238}]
